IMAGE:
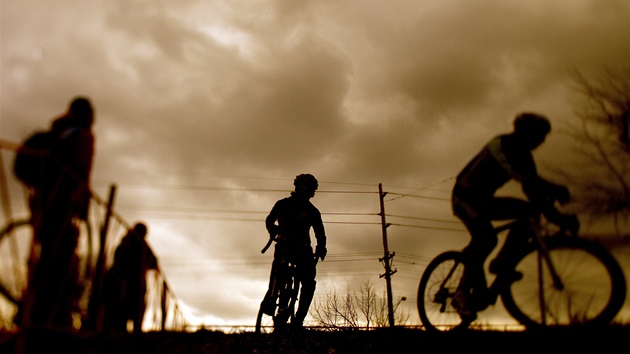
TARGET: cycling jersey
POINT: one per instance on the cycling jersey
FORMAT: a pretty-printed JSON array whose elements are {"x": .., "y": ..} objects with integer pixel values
[
  {"x": 295, "y": 219},
  {"x": 501, "y": 160}
]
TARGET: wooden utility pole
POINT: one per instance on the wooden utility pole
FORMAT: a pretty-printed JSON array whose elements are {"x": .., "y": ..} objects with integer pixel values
[{"x": 386, "y": 258}]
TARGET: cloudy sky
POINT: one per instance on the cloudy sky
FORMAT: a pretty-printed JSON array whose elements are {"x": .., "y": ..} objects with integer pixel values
[{"x": 206, "y": 110}]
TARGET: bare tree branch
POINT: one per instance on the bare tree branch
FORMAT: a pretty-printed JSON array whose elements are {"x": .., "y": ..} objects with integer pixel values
[
  {"x": 355, "y": 310},
  {"x": 601, "y": 183}
]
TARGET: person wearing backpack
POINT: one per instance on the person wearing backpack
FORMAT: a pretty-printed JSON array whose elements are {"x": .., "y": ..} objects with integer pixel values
[{"x": 58, "y": 203}]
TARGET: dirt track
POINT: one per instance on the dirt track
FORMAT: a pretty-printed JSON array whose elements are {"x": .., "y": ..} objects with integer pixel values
[{"x": 560, "y": 340}]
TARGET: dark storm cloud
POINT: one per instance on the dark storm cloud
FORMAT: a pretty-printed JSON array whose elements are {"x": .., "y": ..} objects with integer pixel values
[{"x": 284, "y": 110}]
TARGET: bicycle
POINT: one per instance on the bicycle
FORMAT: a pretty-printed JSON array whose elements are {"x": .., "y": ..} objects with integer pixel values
[
  {"x": 566, "y": 280},
  {"x": 17, "y": 251},
  {"x": 277, "y": 308},
  {"x": 16, "y": 248}
]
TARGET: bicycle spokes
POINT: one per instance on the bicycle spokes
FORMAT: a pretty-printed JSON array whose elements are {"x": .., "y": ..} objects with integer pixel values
[
  {"x": 437, "y": 286},
  {"x": 577, "y": 282},
  {"x": 440, "y": 298}
]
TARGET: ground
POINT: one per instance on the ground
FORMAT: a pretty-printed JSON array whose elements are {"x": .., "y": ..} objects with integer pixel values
[{"x": 386, "y": 340}]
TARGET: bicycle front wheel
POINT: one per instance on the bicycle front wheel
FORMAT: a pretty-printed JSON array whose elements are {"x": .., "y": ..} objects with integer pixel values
[
  {"x": 278, "y": 307},
  {"x": 264, "y": 321},
  {"x": 592, "y": 286},
  {"x": 437, "y": 286}
]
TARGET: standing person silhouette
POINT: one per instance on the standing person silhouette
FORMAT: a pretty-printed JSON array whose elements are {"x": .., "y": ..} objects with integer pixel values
[
  {"x": 126, "y": 281},
  {"x": 505, "y": 157},
  {"x": 57, "y": 205},
  {"x": 290, "y": 220}
]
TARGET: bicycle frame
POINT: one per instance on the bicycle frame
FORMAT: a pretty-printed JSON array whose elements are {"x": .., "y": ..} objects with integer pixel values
[
  {"x": 542, "y": 251},
  {"x": 494, "y": 290},
  {"x": 543, "y": 254}
]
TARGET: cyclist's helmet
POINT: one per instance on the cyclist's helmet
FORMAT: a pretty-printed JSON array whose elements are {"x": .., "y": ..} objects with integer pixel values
[
  {"x": 529, "y": 123},
  {"x": 306, "y": 180}
]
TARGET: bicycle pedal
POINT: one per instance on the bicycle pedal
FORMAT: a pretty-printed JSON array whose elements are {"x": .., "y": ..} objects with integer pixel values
[
  {"x": 510, "y": 277},
  {"x": 514, "y": 276}
]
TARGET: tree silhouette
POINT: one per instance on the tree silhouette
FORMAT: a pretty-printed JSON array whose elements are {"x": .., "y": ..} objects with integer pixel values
[
  {"x": 363, "y": 309},
  {"x": 601, "y": 182}
]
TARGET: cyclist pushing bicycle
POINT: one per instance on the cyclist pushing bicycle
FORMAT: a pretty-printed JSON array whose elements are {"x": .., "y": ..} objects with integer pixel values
[
  {"x": 505, "y": 157},
  {"x": 289, "y": 223}
]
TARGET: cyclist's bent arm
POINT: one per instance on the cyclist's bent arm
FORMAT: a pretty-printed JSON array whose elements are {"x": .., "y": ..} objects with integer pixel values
[{"x": 270, "y": 221}]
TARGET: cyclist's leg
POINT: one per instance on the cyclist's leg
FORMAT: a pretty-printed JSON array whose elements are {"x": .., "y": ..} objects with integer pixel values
[
  {"x": 483, "y": 240},
  {"x": 512, "y": 208},
  {"x": 306, "y": 275}
]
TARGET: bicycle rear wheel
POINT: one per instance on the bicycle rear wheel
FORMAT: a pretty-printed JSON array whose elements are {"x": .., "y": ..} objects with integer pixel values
[
  {"x": 437, "y": 286},
  {"x": 593, "y": 292}
]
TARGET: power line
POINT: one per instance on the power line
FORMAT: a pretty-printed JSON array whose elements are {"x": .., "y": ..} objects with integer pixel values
[
  {"x": 289, "y": 180},
  {"x": 415, "y": 196},
  {"x": 415, "y": 189},
  {"x": 174, "y": 209},
  {"x": 428, "y": 227},
  {"x": 425, "y": 219},
  {"x": 162, "y": 186},
  {"x": 246, "y": 260},
  {"x": 401, "y": 195},
  {"x": 228, "y": 219}
]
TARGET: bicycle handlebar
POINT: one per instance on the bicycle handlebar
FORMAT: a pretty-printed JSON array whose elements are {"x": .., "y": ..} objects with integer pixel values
[{"x": 271, "y": 239}]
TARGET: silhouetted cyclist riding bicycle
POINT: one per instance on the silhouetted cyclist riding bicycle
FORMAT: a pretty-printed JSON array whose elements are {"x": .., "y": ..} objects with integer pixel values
[
  {"x": 556, "y": 278},
  {"x": 294, "y": 264},
  {"x": 505, "y": 157}
]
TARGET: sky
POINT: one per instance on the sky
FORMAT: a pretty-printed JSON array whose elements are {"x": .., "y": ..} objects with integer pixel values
[{"x": 207, "y": 110}]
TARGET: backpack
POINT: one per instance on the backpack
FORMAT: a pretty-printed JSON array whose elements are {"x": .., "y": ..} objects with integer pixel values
[{"x": 33, "y": 158}]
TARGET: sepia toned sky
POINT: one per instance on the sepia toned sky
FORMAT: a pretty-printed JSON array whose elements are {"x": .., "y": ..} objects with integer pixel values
[{"x": 206, "y": 110}]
